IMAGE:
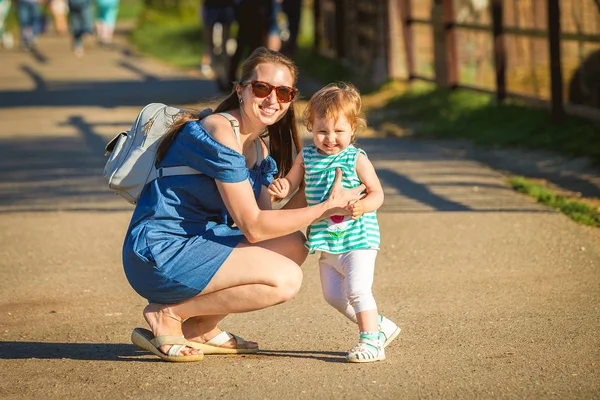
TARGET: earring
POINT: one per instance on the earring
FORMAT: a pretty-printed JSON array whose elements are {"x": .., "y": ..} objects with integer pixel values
[{"x": 241, "y": 100}]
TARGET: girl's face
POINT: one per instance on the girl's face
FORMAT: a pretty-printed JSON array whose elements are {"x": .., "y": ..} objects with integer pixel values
[
  {"x": 266, "y": 110},
  {"x": 331, "y": 136}
]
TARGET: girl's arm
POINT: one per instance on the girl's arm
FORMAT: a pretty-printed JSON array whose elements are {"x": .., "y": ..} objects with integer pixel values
[
  {"x": 296, "y": 174},
  {"x": 283, "y": 187},
  {"x": 374, "y": 198},
  {"x": 264, "y": 200}
]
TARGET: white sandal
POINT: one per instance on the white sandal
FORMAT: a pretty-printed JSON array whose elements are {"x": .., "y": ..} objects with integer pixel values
[
  {"x": 366, "y": 351},
  {"x": 388, "y": 331}
]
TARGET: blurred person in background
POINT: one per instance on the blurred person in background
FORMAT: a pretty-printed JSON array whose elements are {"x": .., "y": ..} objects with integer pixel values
[
  {"x": 292, "y": 10},
  {"x": 30, "y": 14},
  {"x": 254, "y": 19},
  {"x": 274, "y": 38},
  {"x": 106, "y": 18},
  {"x": 215, "y": 12},
  {"x": 80, "y": 23},
  {"x": 59, "y": 10},
  {"x": 6, "y": 38}
]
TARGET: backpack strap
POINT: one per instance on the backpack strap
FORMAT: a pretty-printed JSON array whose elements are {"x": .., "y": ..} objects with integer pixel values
[
  {"x": 259, "y": 152},
  {"x": 184, "y": 169},
  {"x": 235, "y": 125},
  {"x": 179, "y": 170}
]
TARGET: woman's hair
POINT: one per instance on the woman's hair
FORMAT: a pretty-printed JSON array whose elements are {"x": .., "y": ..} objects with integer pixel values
[
  {"x": 282, "y": 135},
  {"x": 333, "y": 101}
]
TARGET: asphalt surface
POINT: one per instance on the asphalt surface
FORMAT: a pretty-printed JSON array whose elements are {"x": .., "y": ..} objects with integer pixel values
[{"x": 497, "y": 296}]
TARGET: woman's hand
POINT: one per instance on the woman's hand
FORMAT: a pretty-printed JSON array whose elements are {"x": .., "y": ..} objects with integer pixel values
[{"x": 340, "y": 197}]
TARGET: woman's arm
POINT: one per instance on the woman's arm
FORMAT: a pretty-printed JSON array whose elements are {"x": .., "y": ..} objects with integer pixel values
[{"x": 259, "y": 225}]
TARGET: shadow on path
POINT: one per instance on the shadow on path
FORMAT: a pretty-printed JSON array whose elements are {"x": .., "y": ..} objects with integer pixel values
[
  {"x": 129, "y": 352},
  {"x": 72, "y": 351},
  {"x": 108, "y": 94},
  {"x": 50, "y": 173}
]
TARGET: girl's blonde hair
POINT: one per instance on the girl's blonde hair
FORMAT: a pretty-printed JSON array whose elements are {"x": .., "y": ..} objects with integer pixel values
[{"x": 333, "y": 101}]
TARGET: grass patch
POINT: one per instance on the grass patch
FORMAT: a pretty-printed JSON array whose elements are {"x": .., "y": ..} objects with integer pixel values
[
  {"x": 577, "y": 210},
  {"x": 130, "y": 9},
  {"x": 321, "y": 68},
  {"x": 463, "y": 114},
  {"x": 175, "y": 40}
]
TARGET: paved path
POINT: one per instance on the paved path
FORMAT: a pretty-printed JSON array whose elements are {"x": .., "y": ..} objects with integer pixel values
[{"x": 497, "y": 296}]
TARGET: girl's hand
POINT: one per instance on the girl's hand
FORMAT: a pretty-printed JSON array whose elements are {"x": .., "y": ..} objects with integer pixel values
[
  {"x": 340, "y": 197},
  {"x": 280, "y": 188},
  {"x": 356, "y": 209}
]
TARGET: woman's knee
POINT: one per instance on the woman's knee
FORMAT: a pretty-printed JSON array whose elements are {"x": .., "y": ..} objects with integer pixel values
[
  {"x": 297, "y": 251},
  {"x": 289, "y": 282},
  {"x": 290, "y": 246}
]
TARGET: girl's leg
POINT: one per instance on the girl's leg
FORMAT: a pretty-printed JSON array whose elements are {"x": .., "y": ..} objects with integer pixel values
[
  {"x": 333, "y": 285},
  {"x": 359, "y": 267},
  {"x": 253, "y": 277}
]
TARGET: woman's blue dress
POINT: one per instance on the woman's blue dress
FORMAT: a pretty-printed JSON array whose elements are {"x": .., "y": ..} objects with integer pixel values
[{"x": 180, "y": 232}]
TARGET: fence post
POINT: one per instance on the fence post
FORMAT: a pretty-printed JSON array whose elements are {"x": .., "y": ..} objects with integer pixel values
[
  {"x": 407, "y": 35},
  {"x": 558, "y": 111},
  {"x": 444, "y": 44},
  {"x": 499, "y": 49},
  {"x": 394, "y": 23}
]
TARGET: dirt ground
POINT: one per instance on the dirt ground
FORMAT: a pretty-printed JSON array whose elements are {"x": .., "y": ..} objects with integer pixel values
[{"x": 497, "y": 296}]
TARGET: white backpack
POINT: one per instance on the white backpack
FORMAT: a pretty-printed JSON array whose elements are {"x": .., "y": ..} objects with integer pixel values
[{"x": 132, "y": 154}]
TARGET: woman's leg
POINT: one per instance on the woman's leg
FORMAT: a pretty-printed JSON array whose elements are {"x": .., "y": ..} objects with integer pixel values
[{"x": 253, "y": 277}]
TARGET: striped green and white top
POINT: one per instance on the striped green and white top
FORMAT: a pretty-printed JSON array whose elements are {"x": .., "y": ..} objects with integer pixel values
[{"x": 337, "y": 234}]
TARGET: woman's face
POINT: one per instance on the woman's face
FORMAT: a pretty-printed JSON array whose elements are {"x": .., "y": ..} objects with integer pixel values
[{"x": 266, "y": 110}]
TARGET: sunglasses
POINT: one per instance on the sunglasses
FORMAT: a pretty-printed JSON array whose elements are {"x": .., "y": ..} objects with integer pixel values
[{"x": 260, "y": 89}]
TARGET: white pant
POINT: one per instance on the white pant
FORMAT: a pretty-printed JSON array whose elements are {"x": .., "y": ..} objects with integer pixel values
[{"x": 346, "y": 281}]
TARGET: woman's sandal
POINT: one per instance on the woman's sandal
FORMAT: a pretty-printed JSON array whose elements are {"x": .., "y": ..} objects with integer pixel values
[
  {"x": 214, "y": 345},
  {"x": 366, "y": 351},
  {"x": 145, "y": 340}
]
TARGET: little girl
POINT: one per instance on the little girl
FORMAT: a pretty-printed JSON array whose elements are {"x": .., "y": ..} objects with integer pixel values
[{"x": 348, "y": 242}]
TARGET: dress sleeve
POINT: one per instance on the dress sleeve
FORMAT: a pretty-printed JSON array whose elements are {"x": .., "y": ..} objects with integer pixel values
[
  {"x": 196, "y": 148},
  {"x": 268, "y": 170}
]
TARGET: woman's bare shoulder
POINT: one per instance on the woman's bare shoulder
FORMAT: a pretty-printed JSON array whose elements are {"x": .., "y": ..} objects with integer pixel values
[{"x": 220, "y": 129}]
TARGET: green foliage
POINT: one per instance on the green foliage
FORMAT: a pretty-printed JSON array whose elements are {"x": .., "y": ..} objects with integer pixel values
[
  {"x": 578, "y": 211},
  {"x": 465, "y": 114}
]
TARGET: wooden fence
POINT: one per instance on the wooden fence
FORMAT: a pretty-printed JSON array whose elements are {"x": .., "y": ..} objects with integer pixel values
[{"x": 542, "y": 51}]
